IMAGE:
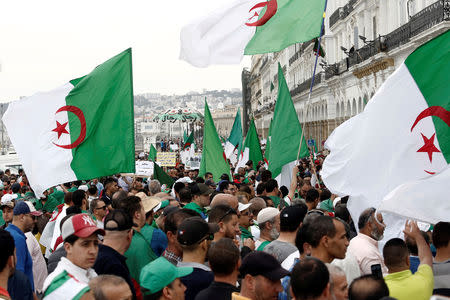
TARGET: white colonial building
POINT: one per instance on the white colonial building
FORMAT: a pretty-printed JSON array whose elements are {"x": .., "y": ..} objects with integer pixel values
[{"x": 364, "y": 42}]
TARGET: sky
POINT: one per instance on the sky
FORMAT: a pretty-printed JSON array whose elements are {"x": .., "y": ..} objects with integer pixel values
[{"x": 46, "y": 43}]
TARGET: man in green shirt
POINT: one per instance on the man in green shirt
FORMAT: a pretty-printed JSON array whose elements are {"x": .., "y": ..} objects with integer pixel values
[
  {"x": 269, "y": 226},
  {"x": 272, "y": 191},
  {"x": 245, "y": 220},
  {"x": 139, "y": 254},
  {"x": 200, "y": 199}
]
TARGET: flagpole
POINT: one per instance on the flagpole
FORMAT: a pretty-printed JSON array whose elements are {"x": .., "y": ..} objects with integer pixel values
[{"x": 312, "y": 79}]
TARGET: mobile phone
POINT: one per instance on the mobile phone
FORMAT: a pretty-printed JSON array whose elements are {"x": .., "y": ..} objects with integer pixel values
[{"x": 376, "y": 271}]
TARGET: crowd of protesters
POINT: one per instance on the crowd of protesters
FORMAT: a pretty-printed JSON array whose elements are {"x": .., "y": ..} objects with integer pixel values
[{"x": 244, "y": 237}]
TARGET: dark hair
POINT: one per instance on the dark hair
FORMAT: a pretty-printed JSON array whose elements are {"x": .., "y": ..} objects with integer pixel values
[
  {"x": 223, "y": 257},
  {"x": 245, "y": 188},
  {"x": 199, "y": 179},
  {"x": 73, "y": 210},
  {"x": 368, "y": 287},
  {"x": 173, "y": 220},
  {"x": 92, "y": 189},
  {"x": 108, "y": 181},
  {"x": 77, "y": 197},
  {"x": 395, "y": 253},
  {"x": 71, "y": 239},
  {"x": 185, "y": 195},
  {"x": 130, "y": 205},
  {"x": 284, "y": 191},
  {"x": 117, "y": 197},
  {"x": 225, "y": 176},
  {"x": 341, "y": 212},
  {"x": 221, "y": 213},
  {"x": 7, "y": 248},
  {"x": 208, "y": 173},
  {"x": 266, "y": 175},
  {"x": 320, "y": 227},
  {"x": 325, "y": 194},
  {"x": 68, "y": 197},
  {"x": 223, "y": 185},
  {"x": 309, "y": 278},
  {"x": 260, "y": 188},
  {"x": 178, "y": 186},
  {"x": 412, "y": 245},
  {"x": 292, "y": 224},
  {"x": 271, "y": 184},
  {"x": 441, "y": 234},
  {"x": 311, "y": 195},
  {"x": 302, "y": 237},
  {"x": 364, "y": 218}
]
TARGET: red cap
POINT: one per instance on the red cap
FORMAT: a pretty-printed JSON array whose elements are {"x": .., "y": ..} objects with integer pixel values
[{"x": 80, "y": 225}]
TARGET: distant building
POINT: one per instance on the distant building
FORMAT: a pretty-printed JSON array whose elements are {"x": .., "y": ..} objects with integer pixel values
[{"x": 224, "y": 118}]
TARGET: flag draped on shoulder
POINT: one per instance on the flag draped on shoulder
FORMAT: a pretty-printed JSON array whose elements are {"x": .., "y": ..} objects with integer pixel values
[
  {"x": 250, "y": 27},
  {"x": 235, "y": 138},
  {"x": 395, "y": 155},
  {"x": 65, "y": 134},
  {"x": 152, "y": 153},
  {"x": 190, "y": 140},
  {"x": 286, "y": 133},
  {"x": 213, "y": 156},
  {"x": 252, "y": 147}
]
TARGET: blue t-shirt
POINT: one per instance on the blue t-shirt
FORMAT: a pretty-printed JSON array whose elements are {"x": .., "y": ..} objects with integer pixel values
[{"x": 24, "y": 261}]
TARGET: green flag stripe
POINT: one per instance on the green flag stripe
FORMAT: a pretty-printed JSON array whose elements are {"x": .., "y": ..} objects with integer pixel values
[
  {"x": 161, "y": 176},
  {"x": 236, "y": 130},
  {"x": 57, "y": 282},
  {"x": 429, "y": 65},
  {"x": 252, "y": 142},
  {"x": 297, "y": 20},
  {"x": 105, "y": 96}
]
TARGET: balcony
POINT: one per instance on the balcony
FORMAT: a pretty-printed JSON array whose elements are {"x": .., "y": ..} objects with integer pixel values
[
  {"x": 305, "y": 85},
  {"x": 342, "y": 12},
  {"x": 430, "y": 16},
  {"x": 300, "y": 51}
]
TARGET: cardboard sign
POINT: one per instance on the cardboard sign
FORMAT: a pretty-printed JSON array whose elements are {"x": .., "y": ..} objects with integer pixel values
[
  {"x": 166, "y": 159},
  {"x": 144, "y": 168},
  {"x": 193, "y": 162}
]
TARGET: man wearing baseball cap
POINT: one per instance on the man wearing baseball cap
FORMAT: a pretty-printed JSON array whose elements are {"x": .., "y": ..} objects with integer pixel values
[
  {"x": 161, "y": 280},
  {"x": 79, "y": 233},
  {"x": 200, "y": 200},
  {"x": 23, "y": 221},
  {"x": 261, "y": 274},
  {"x": 7, "y": 206},
  {"x": 195, "y": 236},
  {"x": 269, "y": 225}
]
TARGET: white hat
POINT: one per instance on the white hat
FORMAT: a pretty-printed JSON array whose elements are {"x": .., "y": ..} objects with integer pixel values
[
  {"x": 243, "y": 207},
  {"x": 267, "y": 214},
  {"x": 83, "y": 187},
  {"x": 185, "y": 180},
  {"x": 7, "y": 198}
]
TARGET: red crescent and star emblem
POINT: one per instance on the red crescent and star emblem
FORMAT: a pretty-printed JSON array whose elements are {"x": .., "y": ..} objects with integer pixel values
[
  {"x": 429, "y": 147},
  {"x": 61, "y": 128},
  {"x": 272, "y": 7}
]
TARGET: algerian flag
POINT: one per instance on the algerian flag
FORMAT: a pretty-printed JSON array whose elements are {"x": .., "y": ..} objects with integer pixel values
[
  {"x": 396, "y": 154},
  {"x": 81, "y": 130},
  {"x": 152, "y": 153},
  {"x": 235, "y": 136},
  {"x": 250, "y": 27},
  {"x": 286, "y": 133},
  {"x": 64, "y": 286},
  {"x": 252, "y": 147},
  {"x": 185, "y": 136},
  {"x": 213, "y": 157},
  {"x": 161, "y": 176},
  {"x": 189, "y": 141}
]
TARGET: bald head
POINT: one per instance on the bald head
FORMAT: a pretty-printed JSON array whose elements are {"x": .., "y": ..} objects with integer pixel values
[
  {"x": 225, "y": 199},
  {"x": 257, "y": 204}
]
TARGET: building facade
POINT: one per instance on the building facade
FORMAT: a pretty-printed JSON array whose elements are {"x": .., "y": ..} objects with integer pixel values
[
  {"x": 224, "y": 118},
  {"x": 364, "y": 42}
]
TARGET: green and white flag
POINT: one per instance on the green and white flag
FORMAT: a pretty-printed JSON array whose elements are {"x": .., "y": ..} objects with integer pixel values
[
  {"x": 286, "y": 133},
  {"x": 213, "y": 157},
  {"x": 252, "y": 148},
  {"x": 235, "y": 138},
  {"x": 189, "y": 141},
  {"x": 152, "y": 153},
  {"x": 395, "y": 155},
  {"x": 79, "y": 131},
  {"x": 250, "y": 27},
  {"x": 64, "y": 286}
]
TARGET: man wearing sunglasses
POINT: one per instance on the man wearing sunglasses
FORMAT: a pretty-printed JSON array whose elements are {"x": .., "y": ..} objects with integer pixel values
[
  {"x": 195, "y": 236},
  {"x": 97, "y": 208}
]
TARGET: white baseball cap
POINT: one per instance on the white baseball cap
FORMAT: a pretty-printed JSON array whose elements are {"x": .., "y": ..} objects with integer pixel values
[
  {"x": 267, "y": 214},
  {"x": 243, "y": 207}
]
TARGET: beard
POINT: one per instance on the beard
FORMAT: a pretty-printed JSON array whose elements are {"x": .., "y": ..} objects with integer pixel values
[
  {"x": 377, "y": 234},
  {"x": 274, "y": 234}
]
